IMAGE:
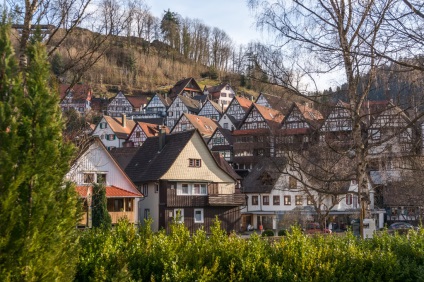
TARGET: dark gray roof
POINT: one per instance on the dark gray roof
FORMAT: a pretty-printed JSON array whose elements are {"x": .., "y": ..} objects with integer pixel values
[
  {"x": 123, "y": 155},
  {"x": 149, "y": 164},
  {"x": 225, "y": 166},
  {"x": 191, "y": 104},
  {"x": 264, "y": 175}
]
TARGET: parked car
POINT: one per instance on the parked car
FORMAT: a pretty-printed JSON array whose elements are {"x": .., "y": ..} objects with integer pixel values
[
  {"x": 401, "y": 227},
  {"x": 314, "y": 228}
]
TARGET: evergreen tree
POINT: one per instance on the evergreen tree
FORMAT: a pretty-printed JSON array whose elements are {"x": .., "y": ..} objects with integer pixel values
[
  {"x": 100, "y": 215},
  {"x": 38, "y": 210}
]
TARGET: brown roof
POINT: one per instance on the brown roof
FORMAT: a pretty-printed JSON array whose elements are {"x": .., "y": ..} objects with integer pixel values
[
  {"x": 137, "y": 101},
  {"x": 204, "y": 125},
  {"x": 116, "y": 126},
  {"x": 150, "y": 129},
  {"x": 191, "y": 104},
  {"x": 244, "y": 102},
  {"x": 111, "y": 192},
  {"x": 271, "y": 116},
  {"x": 225, "y": 166},
  {"x": 185, "y": 84},
  {"x": 282, "y": 101},
  {"x": 80, "y": 91}
]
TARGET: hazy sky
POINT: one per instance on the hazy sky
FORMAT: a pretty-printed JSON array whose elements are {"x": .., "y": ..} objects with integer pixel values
[{"x": 232, "y": 16}]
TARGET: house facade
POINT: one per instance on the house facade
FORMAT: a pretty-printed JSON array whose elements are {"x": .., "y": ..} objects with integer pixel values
[
  {"x": 113, "y": 132},
  {"x": 180, "y": 105},
  {"x": 211, "y": 110},
  {"x": 140, "y": 132},
  {"x": 182, "y": 182},
  {"x": 77, "y": 97},
  {"x": 221, "y": 94},
  {"x": 187, "y": 87},
  {"x": 96, "y": 165},
  {"x": 204, "y": 125},
  {"x": 119, "y": 105}
]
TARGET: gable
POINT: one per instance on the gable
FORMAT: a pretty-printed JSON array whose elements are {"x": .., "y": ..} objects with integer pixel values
[
  {"x": 209, "y": 170},
  {"x": 295, "y": 120},
  {"x": 254, "y": 120}
]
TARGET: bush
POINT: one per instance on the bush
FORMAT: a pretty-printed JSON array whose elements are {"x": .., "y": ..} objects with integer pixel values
[
  {"x": 283, "y": 232},
  {"x": 267, "y": 233}
]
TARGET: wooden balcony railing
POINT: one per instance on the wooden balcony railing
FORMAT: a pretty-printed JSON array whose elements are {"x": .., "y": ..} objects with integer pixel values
[{"x": 227, "y": 200}]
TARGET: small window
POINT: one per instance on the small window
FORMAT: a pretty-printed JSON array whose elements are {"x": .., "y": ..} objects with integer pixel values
[
  {"x": 146, "y": 213},
  {"x": 287, "y": 200},
  {"x": 137, "y": 134},
  {"x": 375, "y": 134},
  {"x": 349, "y": 199},
  {"x": 195, "y": 163},
  {"x": 199, "y": 189},
  {"x": 299, "y": 200},
  {"x": 292, "y": 182},
  {"x": 198, "y": 216},
  {"x": 156, "y": 188},
  {"x": 226, "y": 125},
  {"x": 101, "y": 178},
  {"x": 309, "y": 201},
  {"x": 128, "y": 204},
  {"x": 88, "y": 178},
  {"x": 265, "y": 200},
  {"x": 276, "y": 200},
  {"x": 179, "y": 215},
  {"x": 255, "y": 200},
  {"x": 223, "y": 94},
  {"x": 184, "y": 189},
  {"x": 145, "y": 190}
]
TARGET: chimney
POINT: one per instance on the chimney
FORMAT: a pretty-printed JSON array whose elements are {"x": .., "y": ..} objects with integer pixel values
[
  {"x": 162, "y": 137},
  {"x": 124, "y": 120}
]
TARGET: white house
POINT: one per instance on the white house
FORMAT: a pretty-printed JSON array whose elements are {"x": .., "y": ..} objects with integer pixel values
[{"x": 113, "y": 132}]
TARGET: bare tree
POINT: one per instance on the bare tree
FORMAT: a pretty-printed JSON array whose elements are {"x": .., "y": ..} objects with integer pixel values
[{"x": 354, "y": 37}]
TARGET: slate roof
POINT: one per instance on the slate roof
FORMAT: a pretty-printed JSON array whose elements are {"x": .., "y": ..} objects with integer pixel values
[
  {"x": 116, "y": 126},
  {"x": 225, "y": 166},
  {"x": 150, "y": 164},
  {"x": 165, "y": 100},
  {"x": 264, "y": 175},
  {"x": 191, "y": 104},
  {"x": 123, "y": 155},
  {"x": 179, "y": 87}
]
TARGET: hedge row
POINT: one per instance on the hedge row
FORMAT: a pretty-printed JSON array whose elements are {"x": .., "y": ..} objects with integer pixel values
[{"x": 129, "y": 254}]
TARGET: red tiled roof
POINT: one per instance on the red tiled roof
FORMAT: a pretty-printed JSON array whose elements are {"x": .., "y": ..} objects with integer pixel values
[
  {"x": 137, "y": 101},
  {"x": 111, "y": 192},
  {"x": 244, "y": 102},
  {"x": 116, "y": 125},
  {"x": 205, "y": 125},
  {"x": 151, "y": 129},
  {"x": 272, "y": 117},
  {"x": 80, "y": 91}
]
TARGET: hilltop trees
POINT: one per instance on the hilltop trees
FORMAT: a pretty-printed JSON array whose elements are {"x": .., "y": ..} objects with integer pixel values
[{"x": 38, "y": 210}]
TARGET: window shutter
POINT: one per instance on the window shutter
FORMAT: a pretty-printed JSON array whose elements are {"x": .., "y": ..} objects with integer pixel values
[
  {"x": 107, "y": 137},
  {"x": 101, "y": 125},
  {"x": 114, "y": 136}
]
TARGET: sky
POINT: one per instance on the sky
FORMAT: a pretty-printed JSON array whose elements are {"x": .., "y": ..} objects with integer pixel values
[{"x": 232, "y": 16}]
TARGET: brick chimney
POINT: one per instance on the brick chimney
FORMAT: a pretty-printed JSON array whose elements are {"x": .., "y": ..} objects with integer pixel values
[{"x": 162, "y": 137}]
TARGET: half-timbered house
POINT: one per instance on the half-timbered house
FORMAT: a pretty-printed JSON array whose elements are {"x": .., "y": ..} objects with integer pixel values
[
  {"x": 95, "y": 165},
  {"x": 221, "y": 94},
  {"x": 119, "y": 105},
  {"x": 256, "y": 136},
  {"x": 204, "y": 125},
  {"x": 281, "y": 101},
  {"x": 235, "y": 113},
  {"x": 157, "y": 106},
  {"x": 336, "y": 129},
  {"x": 113, "y": 132},
  {"x": 180, "y": 105},
  {"x": 77, "y": 97},
  {"x": 186, "y": 87},
  {"x": 211, "y": 110},
  {"x": 182, "y": 182},
  {"x": 140, "y": 132},
  {"x": 221, "y": 141}
]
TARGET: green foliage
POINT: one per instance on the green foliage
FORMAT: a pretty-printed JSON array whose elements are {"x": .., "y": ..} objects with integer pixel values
[
  {"x": 282, "y": 232},
  {"x": 140, "y": 255},
  {"x": 267, "y": 233},
  {"x": 38, "y": 210},
  {"x": 100, "y": 216}
]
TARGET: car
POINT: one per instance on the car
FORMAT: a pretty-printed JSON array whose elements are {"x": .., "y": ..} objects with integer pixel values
[
  {"x": 314, "y": 228},
  {"x": 401, "y": 227}
]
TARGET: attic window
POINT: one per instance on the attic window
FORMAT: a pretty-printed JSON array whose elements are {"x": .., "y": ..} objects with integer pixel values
[{"x": 195, "y": 163}]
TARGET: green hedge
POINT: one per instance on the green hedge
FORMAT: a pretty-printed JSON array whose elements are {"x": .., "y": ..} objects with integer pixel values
[{"x": 128, "y": 254}]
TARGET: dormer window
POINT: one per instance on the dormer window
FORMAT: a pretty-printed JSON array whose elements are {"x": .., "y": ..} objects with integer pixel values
[{"x": 195, "y": 163}]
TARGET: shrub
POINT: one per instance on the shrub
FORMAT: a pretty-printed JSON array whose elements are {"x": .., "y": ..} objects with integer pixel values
[
  {"x": 267, "y": 233},
  {"x": 283, "y": 232}
]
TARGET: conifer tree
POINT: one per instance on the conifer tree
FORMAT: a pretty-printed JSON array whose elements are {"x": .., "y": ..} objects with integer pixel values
[
  {"x": 100, "y": 217},
  {"x": 39, "y": 211}
]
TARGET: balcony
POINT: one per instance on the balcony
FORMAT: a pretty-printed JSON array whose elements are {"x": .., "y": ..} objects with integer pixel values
[{"x": 227, "y": 200}]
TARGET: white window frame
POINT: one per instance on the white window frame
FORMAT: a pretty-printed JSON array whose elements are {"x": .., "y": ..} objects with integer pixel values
[
  {"x": 202, "y": 219},
  {"x": 203, "y": 189},
  {"x": 181, "y": 219}
]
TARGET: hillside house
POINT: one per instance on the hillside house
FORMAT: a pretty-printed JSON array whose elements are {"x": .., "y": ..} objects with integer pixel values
[
  {"x": 211, "y": 110},
  {"x": 221, "y": 94},
  {"x": 114, "y": 132},
  {"x": 204, "y": 125},
  {"x": 187, "y": 87},
  {"x": 180, "y": 105},
  {"x": 77, "y": 97}
]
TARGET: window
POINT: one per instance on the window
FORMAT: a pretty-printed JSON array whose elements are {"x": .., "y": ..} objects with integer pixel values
[
  {"x": 137, "y": 134},
  {"x": 187, "y": 189},
  {"x": 146, "y": 213},
  {"x": 255, "y": 200},
  {"x": 101, "y": 178},
  {"x": 145, "y": 190},
  {"x": 179, "y": 215},
  {"x": 195, "y": 163},
  {"x": 156, "y": 188},
  {"x": 375, "y": 134},
  {"x": 198, "y": 215},
  {"x": 170, "y": 114},
  {"x": 226, "y": 125},
  {"x": 287, "y": 200},
  {"x": 223, "y": 94},
  {"x": 298, "y": 200},
  {"x": 128, "y": 204},
  {"x": 110, "y": 137},
  {"x": 103, "y": 125},
  {"x": 292, "y": 182},
  {"x": 265, "y": 200},
  {"x": 276, "y": 200},
  {"x": 88, "y": 178},
  {"x": 349, "y": 199},
  {"x": 115, "y": 205},
  {"x": 309, "y": 201}
]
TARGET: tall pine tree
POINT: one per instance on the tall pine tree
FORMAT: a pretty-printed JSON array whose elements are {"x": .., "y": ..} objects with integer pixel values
[
  {"x": 100, "y": 217},
  {"x": 39, "y": 211}
]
